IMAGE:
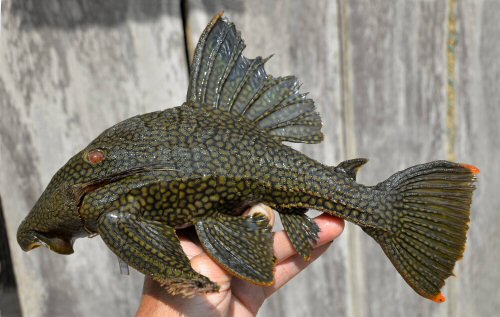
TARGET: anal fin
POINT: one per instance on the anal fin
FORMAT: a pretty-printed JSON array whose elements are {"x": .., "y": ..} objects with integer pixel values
[
  {"x": 242, "y": 245},
  {"x": 301, "y": 230}
]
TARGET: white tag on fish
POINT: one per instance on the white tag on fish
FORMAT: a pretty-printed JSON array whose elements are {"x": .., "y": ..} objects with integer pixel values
[{"x": 123, "y": 267}]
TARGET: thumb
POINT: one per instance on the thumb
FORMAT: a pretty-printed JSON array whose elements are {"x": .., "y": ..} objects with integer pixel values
[{"x": 261, "y": 209}]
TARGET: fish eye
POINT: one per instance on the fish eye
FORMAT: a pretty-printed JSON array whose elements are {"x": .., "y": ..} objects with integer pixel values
[{"x": 95, "y": 156}]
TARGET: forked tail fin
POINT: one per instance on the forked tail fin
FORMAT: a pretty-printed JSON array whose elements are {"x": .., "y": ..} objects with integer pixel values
[{"x": 429, "y": 222}]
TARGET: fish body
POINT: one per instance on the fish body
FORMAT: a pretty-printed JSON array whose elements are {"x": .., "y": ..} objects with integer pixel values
[
  {"x": 203, "y": 163},
  {"x": 228, "y": 162}
]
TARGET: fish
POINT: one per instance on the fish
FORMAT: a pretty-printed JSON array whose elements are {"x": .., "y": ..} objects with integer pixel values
[{"x": 202, "y": 164}]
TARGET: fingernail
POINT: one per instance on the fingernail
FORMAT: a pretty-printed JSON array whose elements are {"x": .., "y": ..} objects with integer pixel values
[{"x": 262, "y": 209}]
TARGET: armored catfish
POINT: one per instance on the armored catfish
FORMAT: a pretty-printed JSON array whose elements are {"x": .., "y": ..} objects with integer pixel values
[{"x": 203, "y": 163}]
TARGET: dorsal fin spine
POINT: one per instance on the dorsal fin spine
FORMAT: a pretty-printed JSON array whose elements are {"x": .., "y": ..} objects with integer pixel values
[
  {"x": 240, "y": 46},
  {"x": 296, "y": 100},
  {"x": 211, "y": 60},
  {"x": 256, "y": 63},
  {"x": 250, "y": 72},
  {"x": 193, "y": 87},
  {"x": 268, "y": 84},
  {"x": 280, "y": 104},
  {"x": 291, "y": 122},
  {"x": 263, "y": 88}
]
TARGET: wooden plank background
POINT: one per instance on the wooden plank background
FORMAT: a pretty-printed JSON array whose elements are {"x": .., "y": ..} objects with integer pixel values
[{"x": 400, "y": 82}]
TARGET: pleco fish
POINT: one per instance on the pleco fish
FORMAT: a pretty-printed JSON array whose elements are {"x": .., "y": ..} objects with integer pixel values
[{"x": 205, "y": 162}]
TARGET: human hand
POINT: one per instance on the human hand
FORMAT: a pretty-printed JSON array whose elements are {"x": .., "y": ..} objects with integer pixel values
[{"x": 235, "y": 297}]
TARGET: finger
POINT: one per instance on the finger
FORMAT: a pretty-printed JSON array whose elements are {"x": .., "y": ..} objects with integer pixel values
[
  {"x": 204, "y": 265},
  {"x": 190, "y": 248},
  {"x": 292, "y": 266},
  {"x": 330, "y": 228},
  {"x": 149, "y": 286},
  {"x": 262, "y": 209}
]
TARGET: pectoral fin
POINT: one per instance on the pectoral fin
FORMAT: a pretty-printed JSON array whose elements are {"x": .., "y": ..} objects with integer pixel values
[
  {"x": 302, "y": 232},
  {"x": 242, "y": 245},
  {"x": 152, "y": 248}
]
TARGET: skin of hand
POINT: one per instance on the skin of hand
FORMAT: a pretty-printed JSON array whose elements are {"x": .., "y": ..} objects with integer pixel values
[{"x": 236, "y": 297}]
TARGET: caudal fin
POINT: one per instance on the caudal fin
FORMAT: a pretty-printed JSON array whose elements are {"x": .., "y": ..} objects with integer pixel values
[{"x": 429, "y": 216}]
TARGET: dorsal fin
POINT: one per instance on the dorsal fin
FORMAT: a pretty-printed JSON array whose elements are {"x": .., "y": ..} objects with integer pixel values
[
  {"x": 225, "y": 79},
  {"x": 350, "y": 167}
]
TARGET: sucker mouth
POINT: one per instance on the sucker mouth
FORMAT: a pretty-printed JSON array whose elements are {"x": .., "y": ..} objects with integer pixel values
[{"x": 55, "y": 244}]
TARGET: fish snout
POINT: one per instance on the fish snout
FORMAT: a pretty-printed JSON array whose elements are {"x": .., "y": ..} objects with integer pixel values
[{"x": 27, "y": 240}]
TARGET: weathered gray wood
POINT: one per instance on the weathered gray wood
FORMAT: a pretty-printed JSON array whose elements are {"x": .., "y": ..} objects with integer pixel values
[
  {"x": 68, "y": 70},
  {"x": 399, "y": 79},
  {"x": 478, "y": 141},
  {"x": 304, "y": 37}
]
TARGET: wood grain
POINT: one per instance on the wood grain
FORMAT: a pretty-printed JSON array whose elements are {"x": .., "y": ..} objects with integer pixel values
[
  {"x": 399, "y": 78},
  {"x": 68, "y": 70},
  {"x": 478, "y": 142}
]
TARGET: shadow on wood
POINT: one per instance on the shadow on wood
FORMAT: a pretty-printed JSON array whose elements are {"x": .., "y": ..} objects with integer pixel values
[
  {"x": 73, "y": 14},
  {"x": 9, "y": 300}
]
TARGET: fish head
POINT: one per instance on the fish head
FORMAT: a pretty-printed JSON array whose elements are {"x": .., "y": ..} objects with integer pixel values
[{"x": 55, "y": 220}]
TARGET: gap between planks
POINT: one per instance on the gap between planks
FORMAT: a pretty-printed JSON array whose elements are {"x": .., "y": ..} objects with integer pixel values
[
  {"x": 355, "y": 284},
  {"x": 451, "y": 125}
]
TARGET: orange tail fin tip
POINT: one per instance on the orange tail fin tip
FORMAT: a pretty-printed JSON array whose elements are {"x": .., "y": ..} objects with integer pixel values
[
  {"x": 472, "y": 168},
  {"x": 440, "y": 298}
]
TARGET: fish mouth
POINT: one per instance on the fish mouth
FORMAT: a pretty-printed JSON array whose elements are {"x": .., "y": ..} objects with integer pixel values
[
  {"x": 34, "y": 239},
  {"x": 55, "y": 244}
]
